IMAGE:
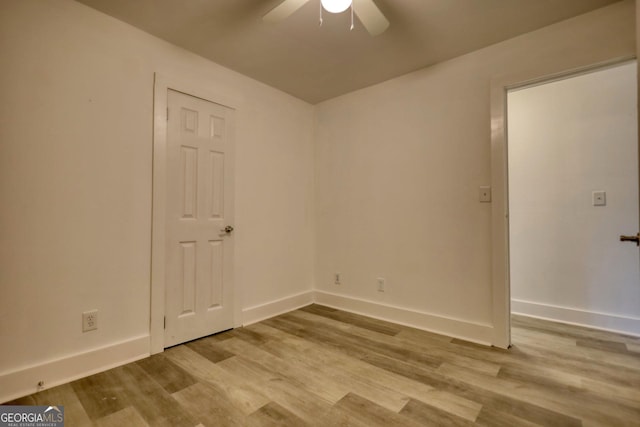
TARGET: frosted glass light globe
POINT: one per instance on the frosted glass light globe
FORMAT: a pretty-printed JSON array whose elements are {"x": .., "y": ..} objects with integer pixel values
[{"x": 335, "y": 6}]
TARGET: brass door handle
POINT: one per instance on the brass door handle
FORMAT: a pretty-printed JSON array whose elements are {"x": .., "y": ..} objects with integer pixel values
[
  {"x": 228, "y": 229},
  {"x": 635, "y": 238}
]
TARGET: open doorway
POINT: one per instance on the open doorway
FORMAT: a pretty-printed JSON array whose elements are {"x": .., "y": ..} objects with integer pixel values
[{"x": 572, "y": 190}]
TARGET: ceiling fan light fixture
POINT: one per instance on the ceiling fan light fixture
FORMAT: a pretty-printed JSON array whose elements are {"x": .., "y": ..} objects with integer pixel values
[{"x": 335, "y": 6}]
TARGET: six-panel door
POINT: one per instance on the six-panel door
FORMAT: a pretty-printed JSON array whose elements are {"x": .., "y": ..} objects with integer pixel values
[{"x": 199, "y": 206}]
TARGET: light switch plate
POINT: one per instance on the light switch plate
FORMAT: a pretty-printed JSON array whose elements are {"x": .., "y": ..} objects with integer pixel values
[
  {"x": 485, "y": 194},
  {"x": 599, "y": 198}
]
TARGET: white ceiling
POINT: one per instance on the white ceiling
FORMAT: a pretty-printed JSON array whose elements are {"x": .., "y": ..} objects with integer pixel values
[{"x": 318, "y": 63}]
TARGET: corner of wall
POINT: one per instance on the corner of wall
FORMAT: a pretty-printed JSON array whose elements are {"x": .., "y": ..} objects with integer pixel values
[
  {"x": 274, "y": 308},
  {"x": 456, "y": 328}
]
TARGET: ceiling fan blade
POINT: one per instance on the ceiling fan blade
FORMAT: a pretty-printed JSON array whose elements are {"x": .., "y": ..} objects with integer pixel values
[
  {"x": 283, "y": 10},
  {"x": 370, "y": 16}
]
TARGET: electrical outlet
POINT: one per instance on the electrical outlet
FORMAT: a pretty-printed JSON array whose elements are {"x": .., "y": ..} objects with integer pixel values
[
  {"x": 89, "y": 320},
  {"x": 381, "y": 283},
  {"x": 337, "y": 279}
]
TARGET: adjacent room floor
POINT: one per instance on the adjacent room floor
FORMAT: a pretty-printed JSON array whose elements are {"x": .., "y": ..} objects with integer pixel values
[{"x": 325, "y": 367}]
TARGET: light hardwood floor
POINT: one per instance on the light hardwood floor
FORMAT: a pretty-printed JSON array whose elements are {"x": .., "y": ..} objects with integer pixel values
[{"x": 324, "y": 367}]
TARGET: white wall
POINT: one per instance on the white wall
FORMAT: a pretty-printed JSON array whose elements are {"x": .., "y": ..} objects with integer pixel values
[
  {"x": 75, "y": 187},
  {"x": 398, "y": 166},
  {"x": 567, "y": 139}
]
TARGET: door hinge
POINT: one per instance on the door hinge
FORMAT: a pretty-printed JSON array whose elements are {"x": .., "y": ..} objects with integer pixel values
[
  {"x": 165, "y": 322},
  {"x": 167, "y": 113}
]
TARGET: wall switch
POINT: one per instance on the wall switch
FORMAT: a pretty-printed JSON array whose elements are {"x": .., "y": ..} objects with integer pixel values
[
  {"x": 599, "y": 198},
  {"x": 89, "y": 320},
  {"x": 381, "y": 283},
  {"x": 485, "y": 194},
  {"x": 336, "y": 279}
]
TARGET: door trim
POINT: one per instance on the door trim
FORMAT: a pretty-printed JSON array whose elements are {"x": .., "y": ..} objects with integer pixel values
[
  {"x": 500, "y": 286},
  {"x": 198, "y": 89}
]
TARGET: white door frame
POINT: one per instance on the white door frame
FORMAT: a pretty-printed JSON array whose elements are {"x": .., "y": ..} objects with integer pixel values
[
  {"x": 501, "y": 287},
  {"x": 199, "y": 89}
]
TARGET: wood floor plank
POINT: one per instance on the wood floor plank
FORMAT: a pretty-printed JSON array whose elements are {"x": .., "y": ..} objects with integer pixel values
[
  {"x": 492, "y": 418},
  {"x": 301, "y": 402},
  {"x": 241, "y": 392},
  {"x": 320, "y": 366},
  {"x": 316, "y": 336},
  {"x": 62, "y": 395},
  {"x": 301, "y": 375},
  {"x": 342, "y": 370},
  {"x": 529, "y": 351},
  {"x": 591, "y": 350},
  {"x": 150, "y": 400},
  {"x": 573, "y": 331},
  {"x": 355, "y": 319},
  {"x": 455, "y": 404},
  {"x": 166, "y": 373},
  {"x": 129, "y": 385},
  {"x": 272, "y": 333},
  {"x": 427, "y": 415},
  {"x": 247, "y": 334},
  {"x": 125, "y": 417},
  {"x": 624, "y": 395},
  {"x": 554, "y": 398},
  {"x": 418, "y": 335},
  {"x": 356, "y": 410},
  {"x": 498, "y": 401},
  {"x": 423, "y": 343},
  {"x": 543, "y": 337},
  {"x": 328, "y": 357},
  {"x": 363, "y": 385},
  {"x": 209, "y": 406},
  {"x": 101, "y": 394},
  {"x": 208, "y": 348},
  {"x": 272, "y": 414},
  {"x": 606, "y": 345},
  {"x": 365, "y": 344},
  {"x": 584, "y": 389},
  {"x": 540, "y": 375},
  {"x": 573, "y": 362},
  {"x": 323, "y": 356}
]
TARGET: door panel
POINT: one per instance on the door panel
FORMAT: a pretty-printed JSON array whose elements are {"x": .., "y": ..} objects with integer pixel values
[
  {"x": 199, "y": 253},
  {"x": 216, "y": 196}
]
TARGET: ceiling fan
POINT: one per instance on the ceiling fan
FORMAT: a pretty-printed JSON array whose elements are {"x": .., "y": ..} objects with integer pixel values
[{"x": 368, "y": 13}]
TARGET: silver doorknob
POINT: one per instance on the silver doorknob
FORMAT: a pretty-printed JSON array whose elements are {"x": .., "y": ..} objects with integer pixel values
[
  {"x": 228, "y": 229},
  {"x": 635, "y": 238}
]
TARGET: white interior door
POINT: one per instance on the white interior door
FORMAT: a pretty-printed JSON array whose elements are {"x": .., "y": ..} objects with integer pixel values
[{"x": 199, "y": 252}]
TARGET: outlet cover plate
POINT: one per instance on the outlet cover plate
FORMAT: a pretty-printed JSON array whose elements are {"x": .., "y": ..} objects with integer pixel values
[
  {"x": 485, "y": 194},
  {"x": 89, "y": 320},
  {"x": 599, "y": 198}
]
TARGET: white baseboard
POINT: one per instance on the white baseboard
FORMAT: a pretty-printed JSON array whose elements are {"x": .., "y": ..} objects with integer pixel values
[
  {"x": 456, "y": 328},
  {"x": 24, "y": 381},
  {"x": 591, "y": 319},
  {"x": 274, "y": 308}
]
